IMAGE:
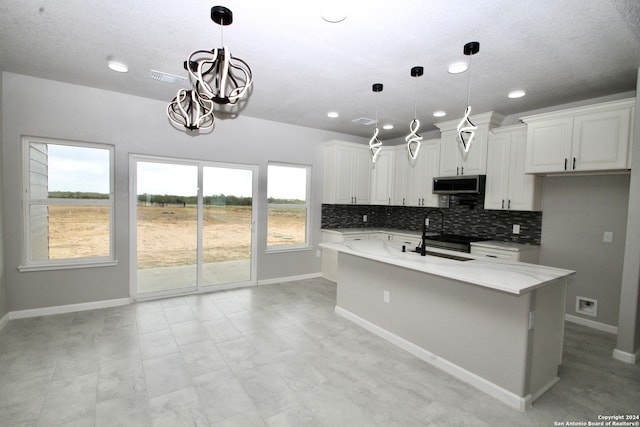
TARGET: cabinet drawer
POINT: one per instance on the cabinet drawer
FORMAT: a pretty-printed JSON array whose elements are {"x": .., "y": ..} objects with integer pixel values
[{"x": 495, "y": 253}]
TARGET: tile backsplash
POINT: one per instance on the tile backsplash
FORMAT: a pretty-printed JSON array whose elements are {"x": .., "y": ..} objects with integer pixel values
[{"x": 464, "y": 216}]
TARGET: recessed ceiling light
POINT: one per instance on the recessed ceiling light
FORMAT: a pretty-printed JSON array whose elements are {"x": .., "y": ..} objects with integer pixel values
[
  {"x": 387, "y": 127},
  {"x": 458, "y": 67},
  {"x": 118, "y": 67},
  {"x": 516, "y": 94},
  {"x": 333, "y": 11},
  {"x": 333, "y": 114},
  {"x": 439, "y": 113}
]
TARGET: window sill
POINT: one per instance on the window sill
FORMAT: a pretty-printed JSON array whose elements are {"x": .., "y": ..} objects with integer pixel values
[
  {"x": 281, "y": 249},
  {"x": 66, "y": 266}
]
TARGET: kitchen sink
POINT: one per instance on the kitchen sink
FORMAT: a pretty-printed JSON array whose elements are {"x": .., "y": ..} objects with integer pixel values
[{"x": 448, "y": 256}]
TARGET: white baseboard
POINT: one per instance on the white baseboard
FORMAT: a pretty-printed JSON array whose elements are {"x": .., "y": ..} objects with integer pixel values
[
  {"x": 591, "y": 324},
  {"x": 4, "y": 320},
  {"x": 623, "y": 356},
  {"x": 289, "y": 279},
  {"x": 519, "y": 402},
  {"x": 69, "y": 308}
]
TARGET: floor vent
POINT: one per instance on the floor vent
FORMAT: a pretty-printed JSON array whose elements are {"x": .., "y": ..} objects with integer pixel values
[
  {"x": 166, "y": 77},
  {"x": 364, "y": 121}
]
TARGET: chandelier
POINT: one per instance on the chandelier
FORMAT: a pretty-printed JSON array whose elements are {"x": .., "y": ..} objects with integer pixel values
[
  {"x": 466, "y": 129},
  {"x": 375, "y": 146},
  {"x": 216, "y": 77},
  {"x": 413, "y": 139}
]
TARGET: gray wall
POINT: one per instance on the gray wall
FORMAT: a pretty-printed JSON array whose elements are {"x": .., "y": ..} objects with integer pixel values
[
  {"x": 137, "y": 125},
  {"x": 577, "y": 210},
  {"x": 629, "y": 320},
  {"x": 3, "y": 282}
]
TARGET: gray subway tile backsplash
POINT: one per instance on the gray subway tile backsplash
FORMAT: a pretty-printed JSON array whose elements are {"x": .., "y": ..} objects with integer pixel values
[{"x": 464, "y": 216}]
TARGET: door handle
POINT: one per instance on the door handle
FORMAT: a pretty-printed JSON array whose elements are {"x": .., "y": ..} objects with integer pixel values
[
  {"x": 574, "y": 163},
  {"x": 565, "y": 163}
]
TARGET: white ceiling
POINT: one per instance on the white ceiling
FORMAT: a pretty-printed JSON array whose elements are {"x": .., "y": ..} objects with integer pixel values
[{"x": 559, "y": 51}]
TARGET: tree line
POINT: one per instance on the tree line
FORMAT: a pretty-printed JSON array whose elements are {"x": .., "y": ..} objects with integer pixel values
[{"x": 168, "y": 199}]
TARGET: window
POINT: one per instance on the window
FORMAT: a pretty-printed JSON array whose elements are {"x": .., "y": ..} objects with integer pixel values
[
  {"x": 288, "y": 206},
  {"x": 68, "y": 204}
]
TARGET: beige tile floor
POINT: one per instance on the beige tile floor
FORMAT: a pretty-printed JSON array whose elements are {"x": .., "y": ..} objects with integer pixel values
[{"x": 273, "y": 355}]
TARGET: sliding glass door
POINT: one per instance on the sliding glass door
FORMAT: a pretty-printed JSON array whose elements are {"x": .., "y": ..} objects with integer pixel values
[{"x": 193, "y": 225}]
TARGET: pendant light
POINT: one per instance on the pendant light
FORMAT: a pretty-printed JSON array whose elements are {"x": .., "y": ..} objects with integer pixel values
[
  {"x": 216, "y": 76},
  {"x": 413, "y": 139},
  {"x": 466, "y": 129},
  {"x": 375, "y": 146}
]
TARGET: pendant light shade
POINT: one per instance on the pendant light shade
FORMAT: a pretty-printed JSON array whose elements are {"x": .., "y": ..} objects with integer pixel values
[
  {"x": 466, "y": 129},
  {"x": 375, "y": 146},
  {"x": 413, "y": 139},
  {"x": 216, "y": 76}
]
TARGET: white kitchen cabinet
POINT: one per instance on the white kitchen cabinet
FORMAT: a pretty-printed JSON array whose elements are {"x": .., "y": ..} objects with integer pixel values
[
  {"x": 382, "y": 177},
  {"x": 506, "y": 251},
  {"x": 508, "y": 186},
  {"x": 347, "y": 173},
  {"x": 413, "y": 179},
  {"x": 453, "y": 160},
  {"x": 592, "y": 138}
]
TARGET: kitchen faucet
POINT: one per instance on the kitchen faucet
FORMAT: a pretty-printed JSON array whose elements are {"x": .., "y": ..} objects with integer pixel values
[{"x": 423, "y": 249}]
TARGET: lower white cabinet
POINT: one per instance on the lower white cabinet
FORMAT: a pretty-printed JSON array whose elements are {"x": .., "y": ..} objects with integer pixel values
[
  {"x": 507, "y": 251},
  {"x": 508, "y": 186}
]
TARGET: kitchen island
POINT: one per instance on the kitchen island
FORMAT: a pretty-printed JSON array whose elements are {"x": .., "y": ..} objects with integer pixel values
[{"x": 498, "y": 325}]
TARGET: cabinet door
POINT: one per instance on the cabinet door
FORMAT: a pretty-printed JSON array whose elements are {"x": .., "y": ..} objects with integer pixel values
[
  {"x": 430, "y": 165},
  {"x": 523, "y": 192},
  {"x": 400, "y": 176},
  {"x": 361, "y": 177},
  {"x": 497, "y": 171},
  {"x": 449, "y": 154},
  {"x": 601, "y": 140},
  {"x": 549, "y": 145},
  {"x": 382, "y": 178},
  {"x": 344, "y": 157},
  {"x": 474, "y": 162}
]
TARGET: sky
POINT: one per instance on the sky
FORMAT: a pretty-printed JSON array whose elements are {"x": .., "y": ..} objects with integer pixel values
[{"x": 85, "y": 169}]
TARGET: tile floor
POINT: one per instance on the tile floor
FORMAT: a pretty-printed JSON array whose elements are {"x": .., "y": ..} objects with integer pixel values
[{"x": 273, "y": 355}]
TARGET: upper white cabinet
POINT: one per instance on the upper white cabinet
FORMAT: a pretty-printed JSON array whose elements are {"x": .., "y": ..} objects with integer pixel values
[
  {"x": 382, "y": 177},
  {"x": 347, "y": 173},
  {"x": 413, "y": 179},
  {"x": 508, "y": 186},
  {"x": 592, "y": 138},
  {"x": 453, "y": 160}
]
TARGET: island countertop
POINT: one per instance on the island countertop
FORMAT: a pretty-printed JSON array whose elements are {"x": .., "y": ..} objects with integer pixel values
[{"x": 507, "y": 276}]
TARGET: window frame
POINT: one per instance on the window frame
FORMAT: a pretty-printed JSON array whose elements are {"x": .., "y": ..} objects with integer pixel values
[
  {"x": 28, "y": 263},
  {"x": 306, "y": 246}
]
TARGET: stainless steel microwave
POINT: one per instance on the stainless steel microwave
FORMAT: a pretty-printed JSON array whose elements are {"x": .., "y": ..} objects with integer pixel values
[{"x": 471, "y": 184}]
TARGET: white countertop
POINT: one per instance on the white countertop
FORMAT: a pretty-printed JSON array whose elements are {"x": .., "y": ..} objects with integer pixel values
[{"x": 507, "y": 276}]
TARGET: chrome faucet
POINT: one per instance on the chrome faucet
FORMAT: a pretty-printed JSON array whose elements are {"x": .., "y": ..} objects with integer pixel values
[{"x": 423, "y": 249}]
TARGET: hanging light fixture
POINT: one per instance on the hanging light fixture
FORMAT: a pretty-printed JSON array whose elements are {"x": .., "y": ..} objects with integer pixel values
[
  {"x": 216, "y": 76},
  {"x": 375, "y": 146},
  {"x": 413, "y": 139},
  {"x": 466, "y": 129}
]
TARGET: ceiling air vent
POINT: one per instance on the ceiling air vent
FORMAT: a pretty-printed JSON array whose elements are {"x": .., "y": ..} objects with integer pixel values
[
  {"x": 364, "y": 121},
  {"x": 166, "y": 77}
]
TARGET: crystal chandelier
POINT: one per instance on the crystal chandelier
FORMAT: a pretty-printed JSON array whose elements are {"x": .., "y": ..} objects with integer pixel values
[
  {"x": 216, "y": 77},
  {"x": 466, "y": 129}
]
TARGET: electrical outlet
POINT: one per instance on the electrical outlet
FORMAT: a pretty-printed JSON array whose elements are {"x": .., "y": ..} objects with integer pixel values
[
  {"x": 426, "y": 221},
  {"x": 516, "y": 228},
  {"x": 607, "y": 237},
  {"x": 386, "y": 296},
  {"x": 364, "y": 218},
  {"x": 318, "y": 253}
]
